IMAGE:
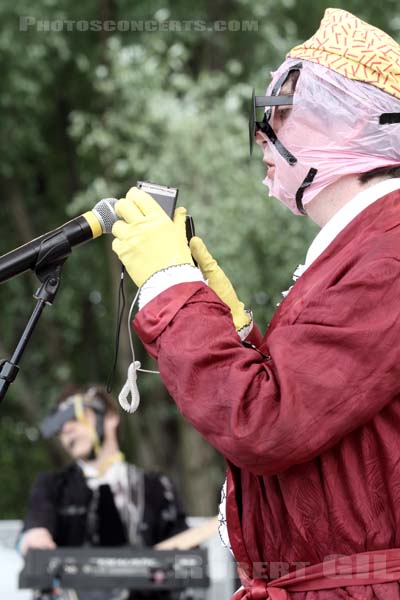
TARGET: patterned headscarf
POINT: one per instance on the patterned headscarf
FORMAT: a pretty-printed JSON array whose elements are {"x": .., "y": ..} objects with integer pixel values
[{"x": 355, "y": 49}]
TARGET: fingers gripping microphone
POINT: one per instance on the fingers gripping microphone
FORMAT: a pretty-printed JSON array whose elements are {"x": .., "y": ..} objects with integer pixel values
[{"x": 58, "y": 243}]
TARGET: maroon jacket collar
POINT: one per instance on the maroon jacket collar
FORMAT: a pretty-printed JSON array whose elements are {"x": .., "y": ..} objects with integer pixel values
[{"x": 349, "y": 246}]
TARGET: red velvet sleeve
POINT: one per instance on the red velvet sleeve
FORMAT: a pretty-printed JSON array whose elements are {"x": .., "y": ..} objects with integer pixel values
[{"x": 330, "y": 371}]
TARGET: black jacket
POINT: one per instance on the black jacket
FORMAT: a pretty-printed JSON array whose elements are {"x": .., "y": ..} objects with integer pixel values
[
  {"x": 76, "y": 516},
  {"x": 63, "y": 503}
]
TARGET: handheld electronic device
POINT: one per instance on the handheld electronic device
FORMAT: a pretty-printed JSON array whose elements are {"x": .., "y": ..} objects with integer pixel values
[
  {"x": 190, "y": 232},
  {"x": 164, "y": 195}
]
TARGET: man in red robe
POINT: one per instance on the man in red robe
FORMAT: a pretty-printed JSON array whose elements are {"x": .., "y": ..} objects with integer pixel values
[{"x": 308, "y": 416}]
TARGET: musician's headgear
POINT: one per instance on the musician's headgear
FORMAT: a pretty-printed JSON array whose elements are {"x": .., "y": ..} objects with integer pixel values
[{"x": 73, "y": 407}]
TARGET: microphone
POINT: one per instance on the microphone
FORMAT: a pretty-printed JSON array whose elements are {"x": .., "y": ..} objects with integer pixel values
[{"x": 56, "y": 245}]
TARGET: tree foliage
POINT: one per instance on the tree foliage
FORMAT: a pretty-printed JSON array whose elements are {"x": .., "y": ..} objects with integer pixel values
[{"x": 86, "y": 114}]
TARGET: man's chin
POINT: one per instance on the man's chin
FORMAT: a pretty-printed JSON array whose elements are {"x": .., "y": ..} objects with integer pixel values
[
  {"x": 268, "y": 182},
  {"x": 81, "y": 453}
]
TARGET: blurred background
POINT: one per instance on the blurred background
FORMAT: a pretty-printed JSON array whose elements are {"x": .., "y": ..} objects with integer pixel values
[{"x": 95, "y": 95}]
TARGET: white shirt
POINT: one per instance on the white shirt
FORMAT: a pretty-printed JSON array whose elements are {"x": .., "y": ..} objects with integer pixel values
[
  {"x": 346, "y": 214},
  {"x": 341, "y": 219}
]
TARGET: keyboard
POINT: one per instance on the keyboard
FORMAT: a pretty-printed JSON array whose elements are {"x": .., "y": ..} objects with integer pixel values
[{"x": 108, "y": 568}]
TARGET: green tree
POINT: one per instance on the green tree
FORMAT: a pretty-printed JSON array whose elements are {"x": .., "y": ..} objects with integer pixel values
[{"x": 86, "y": 114}]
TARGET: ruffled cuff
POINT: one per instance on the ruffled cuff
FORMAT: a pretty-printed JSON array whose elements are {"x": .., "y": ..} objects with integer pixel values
[
  {"x": 162, "y": 280},
  {"x": 244, "y": 331}
]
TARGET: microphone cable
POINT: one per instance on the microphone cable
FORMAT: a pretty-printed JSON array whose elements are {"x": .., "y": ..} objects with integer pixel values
[
  {"x": 120, "y": 313},
  {"x": 130, "y": 387}
]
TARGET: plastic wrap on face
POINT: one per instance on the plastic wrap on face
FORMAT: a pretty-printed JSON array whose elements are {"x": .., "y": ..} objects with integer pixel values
[{"x": 333, "y": 127}]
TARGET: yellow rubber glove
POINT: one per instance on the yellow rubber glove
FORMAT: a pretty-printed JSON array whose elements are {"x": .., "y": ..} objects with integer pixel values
[
  {"x": 218, "y": 281},
  {"x": 147, "y": 241}
]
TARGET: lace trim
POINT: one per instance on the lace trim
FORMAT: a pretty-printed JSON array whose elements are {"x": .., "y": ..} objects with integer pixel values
[
  {"x": 222, "y": 525},
  {"x": 244, "y": 331},
  {"x": 166, "y": 278},
  {"x": 298, "y": 272}
]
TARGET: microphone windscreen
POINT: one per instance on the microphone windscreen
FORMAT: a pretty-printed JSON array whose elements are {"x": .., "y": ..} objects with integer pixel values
[{"x": 105, "y": 213}]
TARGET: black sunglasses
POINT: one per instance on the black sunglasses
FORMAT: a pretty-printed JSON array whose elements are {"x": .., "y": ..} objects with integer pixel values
[{"x": 263, "y": 101}]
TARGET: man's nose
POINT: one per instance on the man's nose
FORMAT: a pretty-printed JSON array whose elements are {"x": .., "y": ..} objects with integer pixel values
[
  {"x": 261, "y": 139},
  {"x": 68, "y": 426}
]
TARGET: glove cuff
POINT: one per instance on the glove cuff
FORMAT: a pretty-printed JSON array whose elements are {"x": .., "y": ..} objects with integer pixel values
[
  {"x": 245, "y": 324},
  {"x": 166, "y": 278}
]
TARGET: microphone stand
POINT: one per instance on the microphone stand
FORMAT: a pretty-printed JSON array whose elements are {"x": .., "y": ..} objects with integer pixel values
[{"x": 51, "y": 257}]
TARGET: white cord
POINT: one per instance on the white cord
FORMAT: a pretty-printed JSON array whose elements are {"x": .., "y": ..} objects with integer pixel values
[{"x": 130, "y": 387}]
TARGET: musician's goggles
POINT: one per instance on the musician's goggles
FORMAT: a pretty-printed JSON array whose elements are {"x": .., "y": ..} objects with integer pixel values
[
  {"x": 260, "y": 119},
  {"x": 73, "y": 408}
]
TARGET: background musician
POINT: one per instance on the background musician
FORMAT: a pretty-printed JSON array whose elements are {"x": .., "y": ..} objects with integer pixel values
[{"x": 99, "y": 499}]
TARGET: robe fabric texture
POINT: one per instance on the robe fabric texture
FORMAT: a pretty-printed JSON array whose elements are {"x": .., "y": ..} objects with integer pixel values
[{"x": 311, "y": 427}]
